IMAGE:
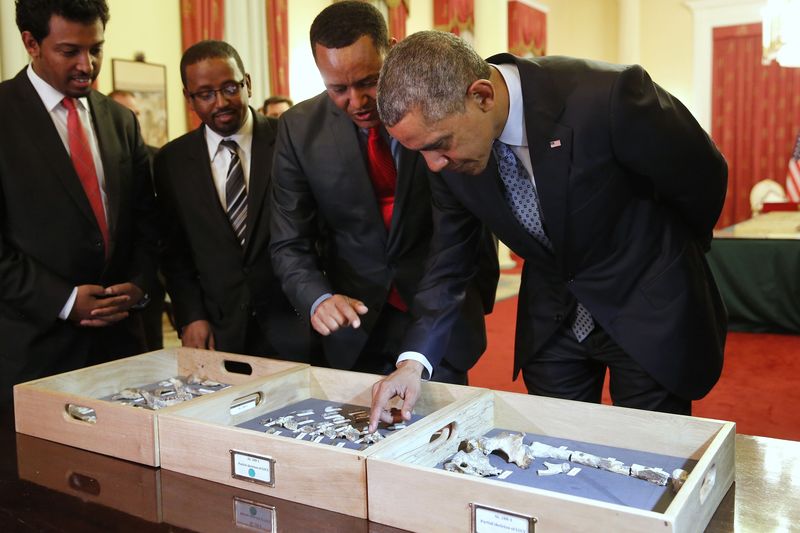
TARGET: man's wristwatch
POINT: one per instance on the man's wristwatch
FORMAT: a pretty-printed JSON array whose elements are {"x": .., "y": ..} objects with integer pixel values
[{"x": 141, "y": 304}]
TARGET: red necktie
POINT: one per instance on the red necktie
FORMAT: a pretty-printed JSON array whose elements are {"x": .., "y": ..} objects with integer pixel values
[
  {"x": 382, "y": 173},
  {"x": 84, "y": 166},
  {"x": 384, "y": 181}
]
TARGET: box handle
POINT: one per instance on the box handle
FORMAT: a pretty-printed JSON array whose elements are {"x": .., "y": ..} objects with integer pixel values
[
  {"x": 238, "y": 367},
  {"x": 443, "y": 435},
  {"x": 81, "y": 413},
  {"x": 245, "y": 403},
  {"x": 85, "y": 484},
  {"x": 708, "y": 483}
]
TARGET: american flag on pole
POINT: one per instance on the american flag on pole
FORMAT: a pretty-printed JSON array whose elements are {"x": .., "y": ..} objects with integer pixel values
[{"x": 793, "y": 175}]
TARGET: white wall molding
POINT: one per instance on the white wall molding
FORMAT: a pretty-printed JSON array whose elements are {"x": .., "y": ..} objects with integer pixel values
[{"x": 707, "y": 15}]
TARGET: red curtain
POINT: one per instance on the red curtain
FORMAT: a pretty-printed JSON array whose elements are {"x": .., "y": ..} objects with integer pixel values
[
  {"x": 200, "y": 20},
  {"x": 398, "y": 13},
  {"x": 527, "y": 30},
  {"x": 454, "y": 16},
  {"x": 755, "y": 113},
  {"x": 278, "y": 46}
]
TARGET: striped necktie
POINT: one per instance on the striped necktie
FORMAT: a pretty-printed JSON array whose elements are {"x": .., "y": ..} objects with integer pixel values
[
  {"x": 524, "y": 202},
  {"x": 235, "y": 192}
]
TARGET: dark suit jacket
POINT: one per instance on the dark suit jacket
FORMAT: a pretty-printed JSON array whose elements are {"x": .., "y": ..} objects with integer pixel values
[
  {"x": 50, "y": 241},
  {"x": 328, "y": 235},
  {"x": 630, "y": 194},
  {"x": 209, "y": 275}
]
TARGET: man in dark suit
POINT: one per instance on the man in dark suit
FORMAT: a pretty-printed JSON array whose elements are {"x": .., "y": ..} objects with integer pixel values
[
  {"x": 608, "y": 188},
  {"x": 77, "y": 244},
  {"x": 152, "y": 315},
  {"x": 351, "y": 216},
  {"x": 213, "y": 188}
]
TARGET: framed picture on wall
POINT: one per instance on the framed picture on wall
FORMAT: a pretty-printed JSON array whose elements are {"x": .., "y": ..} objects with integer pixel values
[{"x": 148, "y": 83}]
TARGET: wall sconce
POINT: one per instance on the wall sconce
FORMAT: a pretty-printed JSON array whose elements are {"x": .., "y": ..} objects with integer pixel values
[{"x": 781, "y": 32}]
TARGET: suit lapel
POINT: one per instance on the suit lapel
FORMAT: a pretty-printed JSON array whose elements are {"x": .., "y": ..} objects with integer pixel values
[
  {"x": 201, "y": 182},
  {"x": 406, "y": 174},
  {"x": 36, "y": 121},
  {"x": 358, "y": 184},
  {"x": 109, "y": 155},
  {"x": 263, "y": 143}
]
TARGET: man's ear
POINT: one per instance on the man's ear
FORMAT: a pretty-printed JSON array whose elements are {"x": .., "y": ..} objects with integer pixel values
[
  {"x": 30, "y": 43},
  {"x": 482, "y": 92},
  {"x": 249, "y": 86}
]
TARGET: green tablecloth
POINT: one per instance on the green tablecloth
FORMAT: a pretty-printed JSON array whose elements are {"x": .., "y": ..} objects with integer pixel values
[{"x": 759, "y": 280}]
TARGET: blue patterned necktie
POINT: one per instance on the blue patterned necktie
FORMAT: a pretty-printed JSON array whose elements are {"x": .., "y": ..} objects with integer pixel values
[
  {"x": 524, "y": 202},
  {"x": 235, "y": 192}
]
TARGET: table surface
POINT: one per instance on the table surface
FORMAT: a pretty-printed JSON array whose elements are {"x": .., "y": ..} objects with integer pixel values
[
  {"x": 773, "y": 225},
  {"x": 41, "y": 489}
]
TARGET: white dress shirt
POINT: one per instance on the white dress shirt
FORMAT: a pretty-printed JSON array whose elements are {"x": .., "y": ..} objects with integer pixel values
[
  {"x": 220, "y": 156},
  {"x": 514, "y": 133}
]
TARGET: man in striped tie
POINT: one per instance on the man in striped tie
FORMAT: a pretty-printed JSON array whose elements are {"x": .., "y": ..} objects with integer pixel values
[
  {"x": 77, "y": 248},
  {"x": 213, "y": 188}
]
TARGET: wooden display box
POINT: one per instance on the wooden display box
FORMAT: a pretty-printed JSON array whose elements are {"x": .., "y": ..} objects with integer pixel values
[
  {"x": 405, "y": 490},
  {"x": 206, "y": 507},
  {"x": 40, "y": 406},
  {"x": 121, "y": 485},
  {"x": 203, "y": 440}
]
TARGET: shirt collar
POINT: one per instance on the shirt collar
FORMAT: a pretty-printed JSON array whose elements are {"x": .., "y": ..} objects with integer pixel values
[
  {"x": 514, "y": 131},
  {"x": 243, "y": 137},
  {"x": 49, "y": 95}
]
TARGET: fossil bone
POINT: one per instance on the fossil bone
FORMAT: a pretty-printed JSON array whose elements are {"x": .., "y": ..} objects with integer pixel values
[
  {"x": 554, "y": 468},
  {"x": 474, "y": 463},
  {"x": 509, "y": 443},
  {"x": 517, "y": 452}
]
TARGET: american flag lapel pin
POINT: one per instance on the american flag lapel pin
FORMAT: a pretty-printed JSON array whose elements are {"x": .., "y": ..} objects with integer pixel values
[{"x": 555, "y": 143}]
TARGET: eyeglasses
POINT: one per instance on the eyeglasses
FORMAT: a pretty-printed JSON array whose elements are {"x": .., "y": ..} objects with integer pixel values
[{"x": 229, "y": 90}]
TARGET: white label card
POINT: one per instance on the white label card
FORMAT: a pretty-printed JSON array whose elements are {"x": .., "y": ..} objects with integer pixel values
[
  {"x": 255, "y": 468},
  {"x": 254, "y": 515},
  {"x": 488, "y": 520}
]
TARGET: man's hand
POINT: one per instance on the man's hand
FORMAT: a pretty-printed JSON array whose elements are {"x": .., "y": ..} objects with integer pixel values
[
  {"x": 94, "y": 308},
  {"x": 338, "y": 311},
  {"x": 404, "y": 382},
  {"x": 198, "y": 334},
  {"x": 113, "y": 305}
]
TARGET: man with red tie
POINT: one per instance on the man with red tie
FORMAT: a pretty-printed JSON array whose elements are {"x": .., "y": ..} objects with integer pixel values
[
  {"x": 351, "y": 215},
  {"x": 77, "y": 240}
]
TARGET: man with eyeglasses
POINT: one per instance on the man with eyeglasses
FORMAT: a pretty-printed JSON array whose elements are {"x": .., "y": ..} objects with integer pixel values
[
  {"x": 212, "y": 186},
  {"x": 352, "y": 216},
  {"x": 78, "y": 234}
]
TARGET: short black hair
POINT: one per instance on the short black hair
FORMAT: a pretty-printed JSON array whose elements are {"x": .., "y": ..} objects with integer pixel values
[
  {"x": 277, "y": 99},
  {"x": 343, "y": 23},
  {"x": 34, "y": 15},
  {"x": 207, "y": 50}
]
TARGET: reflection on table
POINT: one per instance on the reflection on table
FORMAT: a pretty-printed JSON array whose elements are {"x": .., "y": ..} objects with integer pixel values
[
  {"x": 755, "y": 264},
  {"x": 52, "y": 487}
]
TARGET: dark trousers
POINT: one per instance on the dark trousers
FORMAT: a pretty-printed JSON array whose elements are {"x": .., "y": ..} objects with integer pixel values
[
  {"x": 572, "y": 370},
  {"x": 379, "y": 354}
]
